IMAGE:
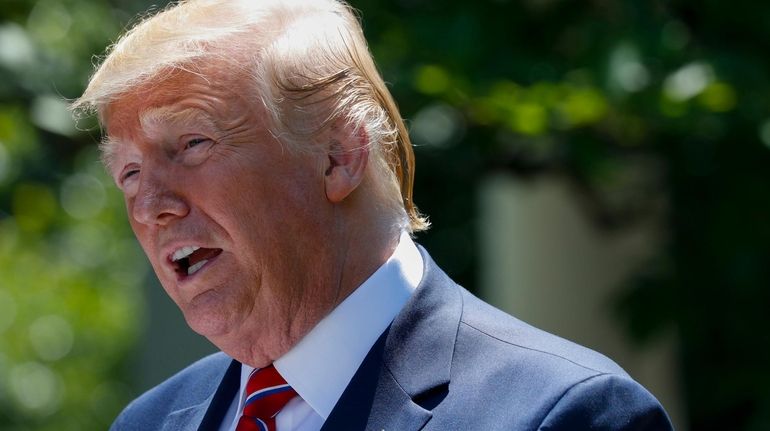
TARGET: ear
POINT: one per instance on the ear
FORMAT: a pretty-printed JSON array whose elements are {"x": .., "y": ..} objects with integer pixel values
[{"x": 348, "y": 154}]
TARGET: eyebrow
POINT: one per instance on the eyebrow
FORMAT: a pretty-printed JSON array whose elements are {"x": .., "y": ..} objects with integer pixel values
[
  {"x": 152, "y": 119},
  {"x": 168, "y": 115}
]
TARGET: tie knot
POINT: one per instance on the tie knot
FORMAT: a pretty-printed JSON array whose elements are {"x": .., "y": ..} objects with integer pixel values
[{"x": 266, "y": 394}]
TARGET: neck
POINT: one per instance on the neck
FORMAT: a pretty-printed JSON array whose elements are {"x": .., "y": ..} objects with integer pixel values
[
  {"x": 353, "y": 248},
  {"x": 365, "y": 245}
]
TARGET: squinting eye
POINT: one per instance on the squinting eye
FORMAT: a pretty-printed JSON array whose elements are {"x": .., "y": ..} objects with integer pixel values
[
  {"x": 195, "y": 149},
  {"x": 195, "y": 142},
  {"x": 129, "y": 174}
]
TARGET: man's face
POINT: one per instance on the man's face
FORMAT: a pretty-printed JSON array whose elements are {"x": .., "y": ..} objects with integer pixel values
[{"x": 234, "y": 224}]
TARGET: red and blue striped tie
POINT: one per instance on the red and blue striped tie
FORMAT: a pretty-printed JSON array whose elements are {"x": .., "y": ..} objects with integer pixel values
[{"x": 267, "y": 394}]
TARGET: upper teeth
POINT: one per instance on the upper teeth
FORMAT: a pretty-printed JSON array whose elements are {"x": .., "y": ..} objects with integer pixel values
[{"x": 184, "y": 252}]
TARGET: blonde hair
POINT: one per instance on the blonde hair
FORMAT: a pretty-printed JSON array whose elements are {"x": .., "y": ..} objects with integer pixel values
[{"x": 310, "y": 66}]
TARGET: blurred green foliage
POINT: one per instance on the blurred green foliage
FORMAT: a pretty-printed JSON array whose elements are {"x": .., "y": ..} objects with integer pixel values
[
  {"x": 651, "y": 108},
  {"x": 69, "y": 267}
]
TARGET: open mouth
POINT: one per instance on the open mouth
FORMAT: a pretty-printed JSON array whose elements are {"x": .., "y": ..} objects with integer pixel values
[{"x": 189, "y": 260}]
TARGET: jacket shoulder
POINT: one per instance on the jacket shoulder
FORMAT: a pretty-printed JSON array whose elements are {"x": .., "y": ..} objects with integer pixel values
[
  {"x": 562, "y": 384},
  {"x": 606, "y": 402},
  {"x": 189, "y": 387},
  {"x": 508, "y": 332}
]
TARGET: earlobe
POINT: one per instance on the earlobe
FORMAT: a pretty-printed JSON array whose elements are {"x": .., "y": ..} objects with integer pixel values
[{"x": 348, "y": 155}]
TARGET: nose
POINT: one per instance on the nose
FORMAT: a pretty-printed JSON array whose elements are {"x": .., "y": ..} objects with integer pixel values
[{"x": 157, "y": 202}]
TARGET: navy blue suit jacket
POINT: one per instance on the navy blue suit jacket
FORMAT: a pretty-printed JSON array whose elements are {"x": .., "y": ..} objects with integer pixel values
[{"x": 448, "y": 361}]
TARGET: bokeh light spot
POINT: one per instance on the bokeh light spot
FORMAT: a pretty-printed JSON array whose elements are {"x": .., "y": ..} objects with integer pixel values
[
  {"x": 627, "y": 72},
  {"x": 583, "y": 106},
  {"x": 88, "y": 245},
  {"x": 51, "y": 113},
  {"x": 688, "y": 81},
  {"x": 49, "y": 20},
  {"x": 51, "y": 337},
  {"x": 82, "y": 196},
  {"x": 529, "y": 119},
  {"x": 718, "y": 97},
  {"x": 16, "y": 49},
  {"x": 437, "y": 125},
  {"x": 432, "y": 80},
  {"x": 35, "y": 388}
]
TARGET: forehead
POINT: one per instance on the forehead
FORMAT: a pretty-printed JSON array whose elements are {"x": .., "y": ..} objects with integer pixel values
[
  {"x": 159, "y": 98},
  {"x": 180, "y": 98}
]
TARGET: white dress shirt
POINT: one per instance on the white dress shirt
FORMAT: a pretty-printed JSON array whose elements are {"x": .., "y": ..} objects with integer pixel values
[{"x": 322, "y": 364}]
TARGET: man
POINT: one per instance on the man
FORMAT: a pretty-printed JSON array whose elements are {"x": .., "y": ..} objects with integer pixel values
[{"x": 267, "y": 175}]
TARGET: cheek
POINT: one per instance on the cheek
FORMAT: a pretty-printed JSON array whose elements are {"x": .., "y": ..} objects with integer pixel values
[{"x": 262, "y": 200}]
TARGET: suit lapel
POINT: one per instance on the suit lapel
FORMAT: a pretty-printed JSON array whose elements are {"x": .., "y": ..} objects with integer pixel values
[
  {"x": 217, "y": 407},
  {"x": 374, "y": 400},
  {"x": 208, "y": 414},
  {"x": 407, "y": 372},
  {"x": 394, "y": 410}
]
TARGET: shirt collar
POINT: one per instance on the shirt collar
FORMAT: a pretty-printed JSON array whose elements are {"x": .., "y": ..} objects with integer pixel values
[{"x": 322, "y": 364}]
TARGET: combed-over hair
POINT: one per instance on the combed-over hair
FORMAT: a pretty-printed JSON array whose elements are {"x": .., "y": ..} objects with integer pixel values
[{"x": 310, "y": 67}]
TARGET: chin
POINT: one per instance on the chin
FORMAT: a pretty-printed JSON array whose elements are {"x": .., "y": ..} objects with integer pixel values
[
  {"x": 207, "y": 325},
  {"x": 210, "y": 319}
]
